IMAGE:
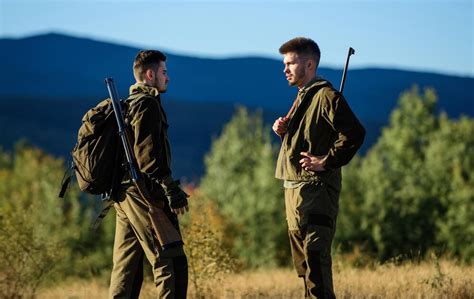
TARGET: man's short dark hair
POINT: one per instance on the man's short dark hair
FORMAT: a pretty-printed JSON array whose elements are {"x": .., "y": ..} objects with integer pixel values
[
  {"x": 147, "y": 59},
  {"x": 302, "y": 46}
]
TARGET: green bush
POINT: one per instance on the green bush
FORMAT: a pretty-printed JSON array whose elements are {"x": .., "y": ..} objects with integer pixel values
[
  {"x": 42, "y": 235},
  {"x": 413, "y": 191},
  {"x": 240, "y": 179},
  {"x": 450, "y": 166}
]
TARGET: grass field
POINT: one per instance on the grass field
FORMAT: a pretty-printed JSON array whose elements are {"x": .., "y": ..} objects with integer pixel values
[{"x": 425, "y": 280}]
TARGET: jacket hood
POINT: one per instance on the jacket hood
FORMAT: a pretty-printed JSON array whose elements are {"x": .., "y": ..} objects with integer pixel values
[
  {"x": 317, "y": 81},
  {"x": 143, "y": 88}
]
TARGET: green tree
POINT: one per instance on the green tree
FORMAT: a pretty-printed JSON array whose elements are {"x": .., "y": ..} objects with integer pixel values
[
  {"x": 29, "y": 248},
  {"x": 240, "y": 179},
  {"x": 400, "y": 214},
  {"x": 42, "y": 235},
  {"x": 450, "y": 168},
  {"x": 413, "y": 191},
  {"x": 384, "y": 198},
  {"x": 349, "y": 222}
]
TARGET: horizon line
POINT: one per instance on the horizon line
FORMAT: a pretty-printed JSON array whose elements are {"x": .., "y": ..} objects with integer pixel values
[{"x": 232, "y": 56}]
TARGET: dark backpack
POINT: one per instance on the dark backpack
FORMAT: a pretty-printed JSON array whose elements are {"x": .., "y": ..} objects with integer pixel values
[
  {"x": 98, "y": 149},
  {"x": 98, "y": 153}
]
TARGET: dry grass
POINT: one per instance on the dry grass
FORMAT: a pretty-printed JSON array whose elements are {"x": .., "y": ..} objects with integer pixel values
[{"x": 425, "y": 280}]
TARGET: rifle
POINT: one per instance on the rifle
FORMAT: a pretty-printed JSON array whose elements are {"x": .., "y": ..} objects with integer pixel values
[
  {"x": 166, "y": 234},
  {"x": 343, "y": 81}
]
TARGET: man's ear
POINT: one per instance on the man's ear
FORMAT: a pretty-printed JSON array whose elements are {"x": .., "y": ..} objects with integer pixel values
[{"x": 149, "y": 74}]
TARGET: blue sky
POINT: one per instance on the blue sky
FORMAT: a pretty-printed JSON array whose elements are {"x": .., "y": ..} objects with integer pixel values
[{"x": 416, "y": 35}]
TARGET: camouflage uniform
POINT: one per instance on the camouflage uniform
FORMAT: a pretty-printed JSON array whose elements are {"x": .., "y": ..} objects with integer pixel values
[
  {"x": 322, "y": 124},
  {"x": 133, "y": 234}
]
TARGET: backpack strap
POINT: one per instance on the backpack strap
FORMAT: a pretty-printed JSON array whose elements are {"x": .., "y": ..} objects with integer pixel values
[
  {"x": 107, "y": 204},
  {"x": 66, "y": 180}
]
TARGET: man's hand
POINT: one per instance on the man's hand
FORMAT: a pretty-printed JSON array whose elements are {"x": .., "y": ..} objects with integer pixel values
[
  {"x": 181, "y": 211},
  {"x": 312, "y": 163},
  {"x": 280, "y": 126},
  {"x": 177, "y": 198}
]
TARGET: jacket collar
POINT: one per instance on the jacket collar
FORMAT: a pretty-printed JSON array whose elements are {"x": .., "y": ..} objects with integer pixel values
[
  {"x": 313, "y": 82},
  {"x": 316, "y": 81},
  {"x": 143, "y": 88}
]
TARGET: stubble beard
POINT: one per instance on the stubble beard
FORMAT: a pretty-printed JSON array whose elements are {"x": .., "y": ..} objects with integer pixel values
[
  {"x": 297, "y": 77},
  {"x": 162, "y": 90},
  {"x": 293, "y": 80},
  {"x": 157, "y": 85}
]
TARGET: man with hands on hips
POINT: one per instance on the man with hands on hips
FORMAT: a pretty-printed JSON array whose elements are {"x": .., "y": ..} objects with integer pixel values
[{"x": 319, "y": 135}]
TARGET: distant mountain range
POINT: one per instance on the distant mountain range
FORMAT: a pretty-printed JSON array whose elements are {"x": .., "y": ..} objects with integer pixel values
[{"x": 48, "y": 81}]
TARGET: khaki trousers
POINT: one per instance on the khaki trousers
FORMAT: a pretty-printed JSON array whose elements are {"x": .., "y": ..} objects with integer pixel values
[
  {"x": 311, "y": 211},
  {"x": 134, "y": 240}
]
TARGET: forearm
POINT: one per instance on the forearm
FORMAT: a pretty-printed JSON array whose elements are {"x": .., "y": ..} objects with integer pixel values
[
  {"x": 345, "y": 147},
  {"x": 349, "y": 130}
]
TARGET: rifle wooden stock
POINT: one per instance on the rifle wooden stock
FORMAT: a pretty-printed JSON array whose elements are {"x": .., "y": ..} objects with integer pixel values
[{"x": 164, "y": 230}]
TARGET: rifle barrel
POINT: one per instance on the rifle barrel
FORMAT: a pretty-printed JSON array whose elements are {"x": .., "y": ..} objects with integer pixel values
[
  {"x": 123, "y": 136},
  {"x": 343, "y": 81}
]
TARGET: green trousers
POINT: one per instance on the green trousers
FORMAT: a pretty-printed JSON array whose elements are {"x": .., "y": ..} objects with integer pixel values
[
  {"x": 134, "y": 240},
  {"x": 311, "y": 211}
]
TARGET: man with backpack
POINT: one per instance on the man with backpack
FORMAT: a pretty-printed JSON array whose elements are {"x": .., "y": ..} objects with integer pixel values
[
  {"x": 134, "y": 234},
  {"x": 319, "y": 135}
]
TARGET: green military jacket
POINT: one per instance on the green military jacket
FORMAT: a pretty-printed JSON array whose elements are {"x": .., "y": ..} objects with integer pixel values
[
  {"x": 322, "y": 124},
  {"x": 149, "y": 135}
]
